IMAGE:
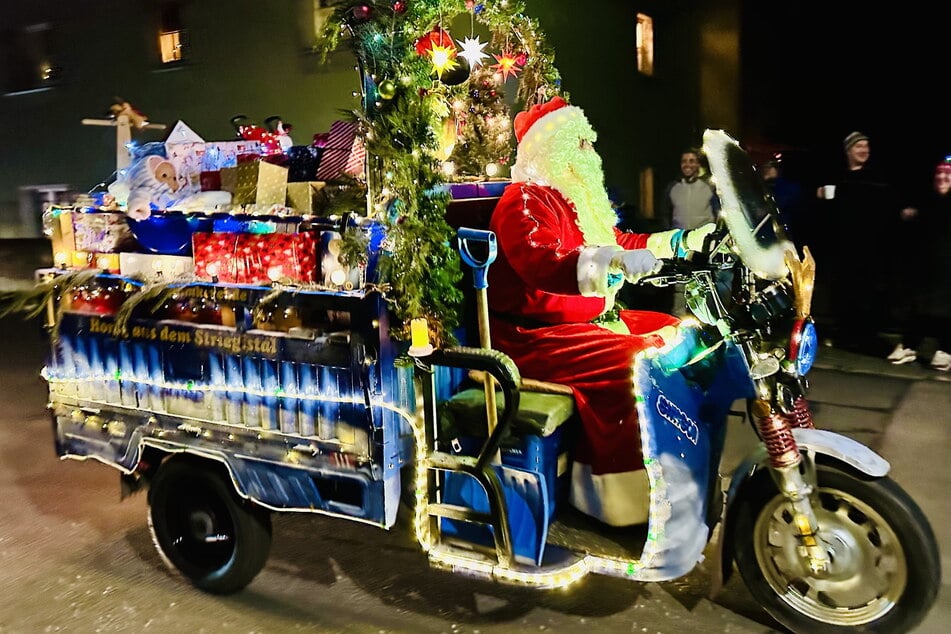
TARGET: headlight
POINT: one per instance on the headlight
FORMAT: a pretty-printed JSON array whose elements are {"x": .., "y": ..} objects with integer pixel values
[{"x": 803, "y": 345}]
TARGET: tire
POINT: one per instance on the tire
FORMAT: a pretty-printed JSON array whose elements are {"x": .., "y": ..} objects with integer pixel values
[
  {"x": 204, "y": 530},
  {"x": 885, "y": 570}
]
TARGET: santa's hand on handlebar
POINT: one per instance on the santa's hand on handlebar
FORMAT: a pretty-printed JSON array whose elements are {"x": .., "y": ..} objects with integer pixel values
[{"x": 635, "y": 264}]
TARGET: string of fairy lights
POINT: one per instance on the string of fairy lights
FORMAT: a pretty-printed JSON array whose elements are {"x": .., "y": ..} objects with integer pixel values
[{"x": 433, "y": 110}]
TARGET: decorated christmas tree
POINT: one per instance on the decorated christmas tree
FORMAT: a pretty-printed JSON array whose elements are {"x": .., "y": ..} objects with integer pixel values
[
  {"x": 413, "y": 72},
  {"x": 484, "y": 144}
]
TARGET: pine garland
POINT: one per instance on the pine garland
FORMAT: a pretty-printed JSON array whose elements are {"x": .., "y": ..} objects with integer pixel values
[{"x": 403, "y": 107}]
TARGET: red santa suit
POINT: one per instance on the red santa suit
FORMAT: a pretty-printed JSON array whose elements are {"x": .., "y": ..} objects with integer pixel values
[{"x": 542, "y": 304}]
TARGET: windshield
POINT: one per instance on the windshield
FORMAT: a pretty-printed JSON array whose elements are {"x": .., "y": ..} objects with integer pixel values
[{"x": 747, "y": 207}]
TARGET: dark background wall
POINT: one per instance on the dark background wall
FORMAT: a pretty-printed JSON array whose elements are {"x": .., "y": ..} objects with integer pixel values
[{"x": 248, "y": 57}]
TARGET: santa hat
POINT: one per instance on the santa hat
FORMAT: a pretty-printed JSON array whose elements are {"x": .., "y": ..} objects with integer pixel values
[
  {"x": 537, "y": 127},
  {"x": 544, "y": 120}
]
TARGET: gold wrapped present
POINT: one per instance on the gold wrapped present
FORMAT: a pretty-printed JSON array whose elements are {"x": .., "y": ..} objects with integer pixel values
[
  {"x": 255, "y": 183},
  {"x": 306, "y": 197}
]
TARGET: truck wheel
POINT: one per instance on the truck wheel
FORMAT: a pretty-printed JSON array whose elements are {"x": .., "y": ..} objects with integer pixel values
[
  {"x": 885, "y": 570},
  {"x": 204, "y": 530}
]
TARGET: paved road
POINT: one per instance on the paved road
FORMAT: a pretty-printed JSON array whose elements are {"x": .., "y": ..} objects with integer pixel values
[{"x": 74, "y": 558}]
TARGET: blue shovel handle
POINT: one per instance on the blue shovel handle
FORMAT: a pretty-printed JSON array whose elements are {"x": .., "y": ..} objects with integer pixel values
[{"x": 480, "y": 268}]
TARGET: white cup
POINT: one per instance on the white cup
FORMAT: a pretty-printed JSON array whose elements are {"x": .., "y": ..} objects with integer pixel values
[{"x": 828, "y": 192}]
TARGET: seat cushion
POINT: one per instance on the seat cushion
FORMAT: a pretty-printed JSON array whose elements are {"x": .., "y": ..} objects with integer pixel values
[{"x": 538, "y": 414}]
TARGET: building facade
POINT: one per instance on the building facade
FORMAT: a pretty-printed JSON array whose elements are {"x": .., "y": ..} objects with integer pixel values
[{"x": 204, "y": 62}]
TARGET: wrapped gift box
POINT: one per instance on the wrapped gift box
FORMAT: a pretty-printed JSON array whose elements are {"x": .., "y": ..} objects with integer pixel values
[
  {"x": 153, "y": 267},
  {"x": 210, "y": 180},
  {"x": 343, "y": 152},
  {"x": 91, "y": 260},
  {"x": 103, "y": 232},
  {"x": 255, "y": 183},
  {"x": 221, "y": 154},
  {"x": 481, "y": 189},
  {"x": 302, "y": 163},
  {"x": 60, "y": 227},
  {"x": 185, "y": 150},
  {"x": 306, "y": 198},
  {"x": 245, "y": 258}
]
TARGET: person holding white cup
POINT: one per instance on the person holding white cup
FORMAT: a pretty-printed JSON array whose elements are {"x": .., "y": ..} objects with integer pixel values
[{"x": 863, "y": 209}]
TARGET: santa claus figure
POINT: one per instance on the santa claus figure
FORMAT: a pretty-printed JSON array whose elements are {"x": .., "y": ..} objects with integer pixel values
[{"x": 551, "y": 293}]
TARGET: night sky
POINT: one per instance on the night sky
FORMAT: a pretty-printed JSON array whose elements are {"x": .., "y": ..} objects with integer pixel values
[{"x": 816, "y": 70}]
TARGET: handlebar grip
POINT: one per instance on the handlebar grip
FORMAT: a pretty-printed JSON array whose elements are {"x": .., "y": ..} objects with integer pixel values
[{"x": 480, "y": 267}]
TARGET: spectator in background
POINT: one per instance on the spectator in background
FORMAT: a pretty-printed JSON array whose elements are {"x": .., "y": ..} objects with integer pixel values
[
  {"x": 690, "y": 202},
  {"x": 788, "y": 196},
  {"x": 863, "y": 215},
  {"x": 930, "y": 275}
]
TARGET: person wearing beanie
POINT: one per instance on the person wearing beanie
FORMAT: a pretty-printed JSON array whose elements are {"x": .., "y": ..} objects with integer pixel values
[
  {"x": 561, "y": 261},
  {"x": 859, "y": 213}
]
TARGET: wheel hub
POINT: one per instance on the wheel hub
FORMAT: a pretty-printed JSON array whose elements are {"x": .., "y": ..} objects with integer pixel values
[{"x": 867, "y": 568}]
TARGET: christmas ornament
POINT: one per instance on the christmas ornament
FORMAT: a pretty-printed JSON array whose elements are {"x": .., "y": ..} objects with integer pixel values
[
  {"x": 446, "y": 139},
  {"x": 443, "y": 58},
  {"x": 437, "y": 36},
  {"x": 506, "y": 65},
  {"x": 362, "y": 12},
  {"x": 472, "y": 51},
  {"x": 399, "y": 7},
  {"x": 387, "y": 89},
  {"x": 456, "y": 75}
]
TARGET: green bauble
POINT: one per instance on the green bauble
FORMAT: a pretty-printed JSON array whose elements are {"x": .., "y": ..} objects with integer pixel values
[{"x": 387, "y": 89}]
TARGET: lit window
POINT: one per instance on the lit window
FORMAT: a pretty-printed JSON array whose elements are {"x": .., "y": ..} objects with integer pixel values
[
  {"x": 171, "y": 46},
  {"x": 27, "y": 59},
  {"x": 645, "y": 44},
  {"x": 173, "y": 38},
  {"x": 646, "y": 182}
]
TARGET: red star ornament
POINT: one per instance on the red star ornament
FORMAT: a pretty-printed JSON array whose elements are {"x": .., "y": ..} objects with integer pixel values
[{"x": 506, "y": 65}]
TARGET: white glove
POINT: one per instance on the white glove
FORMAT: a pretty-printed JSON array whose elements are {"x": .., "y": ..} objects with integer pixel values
[{"x": 635, "y": 264}]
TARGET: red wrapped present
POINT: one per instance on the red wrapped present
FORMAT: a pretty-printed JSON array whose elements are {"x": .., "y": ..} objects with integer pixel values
[
  {"x": 343, "y": 153},
  {"x": 210, "y": 181},
  {"x": 248, "y": 258}
]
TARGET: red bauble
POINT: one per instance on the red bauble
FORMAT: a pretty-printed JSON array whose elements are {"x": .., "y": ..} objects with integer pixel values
[
  {"x": 521, "y": 59},
  {"x": 362, "y": 12},
  {"x": 399, "y": 7}
]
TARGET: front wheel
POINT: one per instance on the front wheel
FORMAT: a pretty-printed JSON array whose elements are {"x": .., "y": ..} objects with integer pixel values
[
  {"x": 884, "y": 573},
  {"x": 204, "y": 530}
]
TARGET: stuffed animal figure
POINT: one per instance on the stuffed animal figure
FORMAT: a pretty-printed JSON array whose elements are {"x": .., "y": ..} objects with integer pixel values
[
  {"x": 121, "y": 107},
  {"x": 153, "y": 184}
]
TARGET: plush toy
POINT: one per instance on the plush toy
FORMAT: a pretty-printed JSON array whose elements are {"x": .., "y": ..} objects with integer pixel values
[
  {"x": 122, "y": 107},
  {"x": 153, "y": 184}
]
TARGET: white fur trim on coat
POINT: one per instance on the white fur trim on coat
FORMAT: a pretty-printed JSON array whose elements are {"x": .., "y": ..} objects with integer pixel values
[
  {"x": 594, "y": 264},
  {"x": 617, "y": 499}
]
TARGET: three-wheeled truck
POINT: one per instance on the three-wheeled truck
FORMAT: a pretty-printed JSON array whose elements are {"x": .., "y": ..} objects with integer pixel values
[{"x": 230, "y": 402}]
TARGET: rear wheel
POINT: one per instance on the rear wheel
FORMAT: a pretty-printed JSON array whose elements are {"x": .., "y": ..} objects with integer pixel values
[
  {"x": 884, "y": 573},
  {"x": 204, "y": 530}
]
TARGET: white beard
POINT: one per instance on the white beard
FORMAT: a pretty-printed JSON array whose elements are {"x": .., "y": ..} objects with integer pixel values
[{"x": 581, "y": 181}]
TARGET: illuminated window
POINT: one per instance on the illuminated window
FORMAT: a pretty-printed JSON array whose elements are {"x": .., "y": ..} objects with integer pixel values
[
  {"x": 173, "y": 38},
  {"x": 645, "y": 44},
  {"x": 171, "y": 46},
  {"x": 646, "y": 182},
  {"x": 27, "y": 59}
]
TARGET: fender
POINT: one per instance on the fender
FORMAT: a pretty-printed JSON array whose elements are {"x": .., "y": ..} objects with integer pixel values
[{"x": 819, "y": 441}]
